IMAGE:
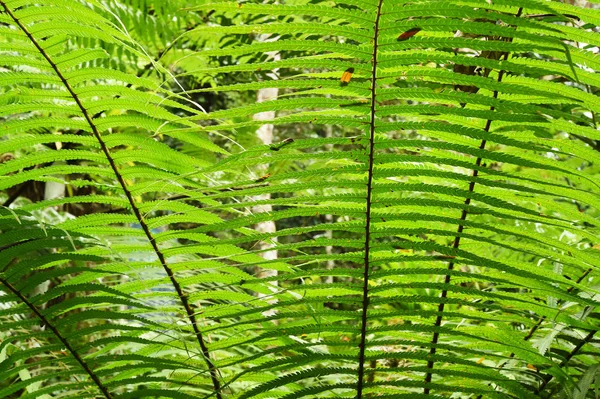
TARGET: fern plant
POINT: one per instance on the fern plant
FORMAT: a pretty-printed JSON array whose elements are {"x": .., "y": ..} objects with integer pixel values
[{"x": 439, "y": 240}]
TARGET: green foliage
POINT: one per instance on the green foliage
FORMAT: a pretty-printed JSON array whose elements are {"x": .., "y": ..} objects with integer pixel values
[{"x": 436, "y": 217}]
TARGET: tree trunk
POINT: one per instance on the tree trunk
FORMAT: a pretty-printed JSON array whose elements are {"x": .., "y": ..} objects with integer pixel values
[{"x": 265, "y": 134}]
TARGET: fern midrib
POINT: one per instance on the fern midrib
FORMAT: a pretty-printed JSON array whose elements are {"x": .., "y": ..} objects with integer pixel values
[
  {"x": 365, "y": 299},
  {"x": 183, "y": 298},
  {"x": 456, "y": 243},
  {"x": 548, "y": 377},
  {"x": 58, "y": 335},
  {"x": 537, "y": 325},
  {"x": 588, "y": 337}
]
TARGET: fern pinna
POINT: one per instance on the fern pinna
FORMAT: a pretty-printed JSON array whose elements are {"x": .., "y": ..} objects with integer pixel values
[{"x": 433, "y": 186}]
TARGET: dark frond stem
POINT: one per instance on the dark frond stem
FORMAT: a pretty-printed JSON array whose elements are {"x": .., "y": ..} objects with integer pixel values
[
  {"x": 365, "y": 299},
  {"x": 537, "y": 325},
  {"x": 182, "y": 296},
  {"x": 58, "y": 335},
  {"x": 456, "y": 243},
  {"x": 140, "y": 73},
  {"x": 575, "y": 17},
  {"x": 566, "y": 360},
  {"x": 541, "y": 320}
]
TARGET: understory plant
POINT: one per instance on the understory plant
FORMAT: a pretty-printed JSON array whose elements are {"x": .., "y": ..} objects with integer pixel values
[{"x": 420, "y": 221}]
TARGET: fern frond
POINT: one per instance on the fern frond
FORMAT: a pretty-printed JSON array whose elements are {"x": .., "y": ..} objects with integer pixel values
[{"x": 432, "y": 197}]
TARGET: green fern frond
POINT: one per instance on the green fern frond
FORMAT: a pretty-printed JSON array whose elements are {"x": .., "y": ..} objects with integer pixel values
[{"x": 424, "y": 225}]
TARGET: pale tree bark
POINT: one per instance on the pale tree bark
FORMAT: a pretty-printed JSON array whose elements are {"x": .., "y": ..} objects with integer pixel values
[
  {"x": 265, "y": 134},
  {"x": 52, "y": 190},
  {"x": 580, "y": 3},
  {"x": 328, "y": 217}
]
